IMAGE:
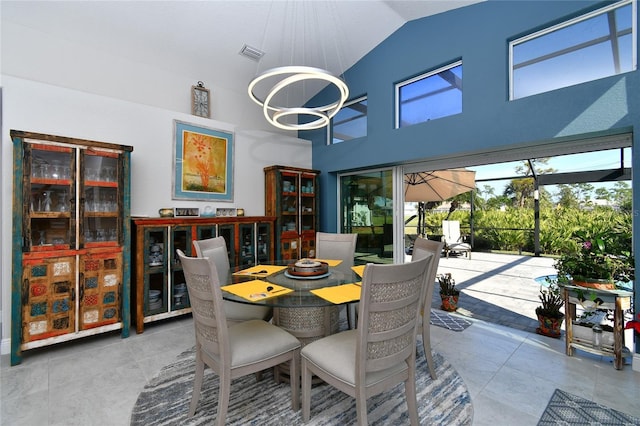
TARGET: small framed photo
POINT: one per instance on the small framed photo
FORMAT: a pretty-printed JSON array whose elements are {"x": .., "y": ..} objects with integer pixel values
[
  {"x": 226, "y": 211},
  {"x": 186, "y": 212}
]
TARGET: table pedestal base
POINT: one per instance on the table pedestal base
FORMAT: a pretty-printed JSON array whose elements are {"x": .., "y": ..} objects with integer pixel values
[{"x": 308, "y": 325}]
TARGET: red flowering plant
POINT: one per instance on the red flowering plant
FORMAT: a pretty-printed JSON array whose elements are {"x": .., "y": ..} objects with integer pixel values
[{"x": 604, "y": 255}]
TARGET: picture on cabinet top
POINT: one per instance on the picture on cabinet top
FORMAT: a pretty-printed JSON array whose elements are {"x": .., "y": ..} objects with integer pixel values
[{"x": 203, "y": 163}]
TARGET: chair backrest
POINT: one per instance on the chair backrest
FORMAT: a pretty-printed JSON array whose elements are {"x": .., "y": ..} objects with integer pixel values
[
  {"x": 451, "y": 231},
  {"x": 216, "y": 249},
  {"x": 206, "y": 305},
  {"x": 336, "y": 246},
  {"x": 389, "y": 308},
  {"x": 422, "y": 248}
]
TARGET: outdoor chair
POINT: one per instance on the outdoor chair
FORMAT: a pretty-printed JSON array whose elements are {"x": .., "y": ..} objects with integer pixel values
[
  {"x": 381, "y": 352},
  {"x": 338, "y": 247},
  {"x": 425, "y": 248},
  {"x": 216, "y": 249},
  {"x": 453, "y": 242},
  {"x": 239, "y": 350}
]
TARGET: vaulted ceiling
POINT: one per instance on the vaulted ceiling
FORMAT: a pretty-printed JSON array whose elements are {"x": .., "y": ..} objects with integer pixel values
[{"x": 205, "y": 37}]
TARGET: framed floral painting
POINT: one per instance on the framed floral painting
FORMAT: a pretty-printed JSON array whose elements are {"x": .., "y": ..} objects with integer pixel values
[{"x": 203, "y": 163}]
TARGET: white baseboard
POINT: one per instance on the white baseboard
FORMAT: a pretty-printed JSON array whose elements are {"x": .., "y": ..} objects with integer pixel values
[
  {"x": 5, "y": 347},
  {"x": 636, "y": 362}
]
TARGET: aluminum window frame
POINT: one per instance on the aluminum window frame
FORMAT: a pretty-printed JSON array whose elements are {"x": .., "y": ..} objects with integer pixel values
[
  {"x": 330, "y": 133},
  {"x": 574, "y": 47},
  {"x": 423, "y": 76}
]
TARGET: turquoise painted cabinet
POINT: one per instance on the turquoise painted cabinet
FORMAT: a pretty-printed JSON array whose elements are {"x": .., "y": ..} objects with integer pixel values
[{"x": 71, "y": 240}]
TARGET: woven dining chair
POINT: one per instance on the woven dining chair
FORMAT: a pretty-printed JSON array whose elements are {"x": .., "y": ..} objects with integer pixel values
[
  {"x": 425, "y": 248},
  {"x": 216, "y": 249},
  {"x": 339, "y": 247},
  {"x": 245, "y": 348},
  {"x": 381, "y": 352}
]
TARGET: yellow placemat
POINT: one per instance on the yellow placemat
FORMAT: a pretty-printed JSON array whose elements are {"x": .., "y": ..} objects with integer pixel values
[
  {"x": 256, "y": 290},
  {"x": 330, "y": 262},
  {"x": 359, "y": 270},
  {"x": 260, "y": 271},
  {"x": 340, "y": 293}
]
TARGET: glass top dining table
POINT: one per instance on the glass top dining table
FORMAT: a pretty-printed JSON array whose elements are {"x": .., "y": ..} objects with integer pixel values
[{"x": 301, "y": 296}]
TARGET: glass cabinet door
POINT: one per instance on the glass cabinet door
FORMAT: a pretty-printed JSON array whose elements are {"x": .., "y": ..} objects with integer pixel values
[
  {"x": 289, "y": 202},
  {"x": 247, "y": 244},
  {"x": 308, "y": 202},
  {"x": 49, "y": 192},
  {"x": 228, "y": 233},
  {"x": 101, "y": 222},
  {"x": 156, "y": 297},
  {"x": 206, "y": 232},
  {"x": 263, "y": 243},
  {"x": 180, "y": 239}
]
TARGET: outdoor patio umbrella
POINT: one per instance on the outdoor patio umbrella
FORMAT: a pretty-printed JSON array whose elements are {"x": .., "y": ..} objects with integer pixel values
[{"x": 436, "y": 185}]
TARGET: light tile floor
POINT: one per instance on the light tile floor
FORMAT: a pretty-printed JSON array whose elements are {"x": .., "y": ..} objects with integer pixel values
[{"x": 510, "y": 373}]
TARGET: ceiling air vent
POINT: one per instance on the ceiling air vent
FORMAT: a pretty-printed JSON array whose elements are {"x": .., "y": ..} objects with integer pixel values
[{"x": 251, "y": 52}]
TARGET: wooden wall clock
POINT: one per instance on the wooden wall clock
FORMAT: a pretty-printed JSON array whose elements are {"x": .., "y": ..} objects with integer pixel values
[{"x": 200, "y": 98}]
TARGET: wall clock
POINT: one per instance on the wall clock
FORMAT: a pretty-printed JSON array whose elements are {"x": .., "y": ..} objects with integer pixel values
[{"x": 200, "y": 100}]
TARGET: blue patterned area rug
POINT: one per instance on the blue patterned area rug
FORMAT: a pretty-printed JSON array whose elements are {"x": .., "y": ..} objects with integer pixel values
[
  {"x": 445, "y": 320},
  {"x": 567, "y": 409},
  {"x": 165, "y": 400}
]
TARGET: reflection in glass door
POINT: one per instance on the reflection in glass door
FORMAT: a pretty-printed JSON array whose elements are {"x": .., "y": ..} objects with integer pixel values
[{"x": 366, "y": 208}]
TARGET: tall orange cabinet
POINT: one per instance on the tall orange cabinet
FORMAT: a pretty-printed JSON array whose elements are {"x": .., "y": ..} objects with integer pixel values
[
  {"x": 291, "y": 196},
  {"x": 71, "y": 236}
]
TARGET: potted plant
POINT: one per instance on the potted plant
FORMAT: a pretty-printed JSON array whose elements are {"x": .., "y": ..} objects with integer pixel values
[
  {"x": 449, "y": 294},
  {"x": 549, "y": 316},
  {"x": 599, "y": 260}
]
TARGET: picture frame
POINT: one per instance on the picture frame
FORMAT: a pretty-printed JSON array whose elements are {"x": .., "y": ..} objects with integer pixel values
[
  {"x": 186, "y": 212},
  {"x": 203, "y": 163}
]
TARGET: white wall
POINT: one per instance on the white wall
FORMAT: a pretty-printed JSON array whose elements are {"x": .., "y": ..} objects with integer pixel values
[{"x": 32, "y": 106}]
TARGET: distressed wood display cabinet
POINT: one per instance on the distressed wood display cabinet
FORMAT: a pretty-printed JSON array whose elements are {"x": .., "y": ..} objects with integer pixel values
[
  {"x": 291, "y": 196},
  {"x": 159, "y": 290},
  {"x": 71, "y": 237}
]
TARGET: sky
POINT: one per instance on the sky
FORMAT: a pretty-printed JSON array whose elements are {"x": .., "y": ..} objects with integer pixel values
[{"x": 600, "y": 160}]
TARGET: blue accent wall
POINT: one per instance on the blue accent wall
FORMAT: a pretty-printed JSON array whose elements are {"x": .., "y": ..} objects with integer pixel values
[{"x": 479, "y": 35}]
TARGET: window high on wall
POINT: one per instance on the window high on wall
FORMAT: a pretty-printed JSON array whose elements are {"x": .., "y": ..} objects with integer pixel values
[
  {"x": 429, "y": 96},
  {"x": 596, "y": 45},
  {"x": 350, "y": 122}
]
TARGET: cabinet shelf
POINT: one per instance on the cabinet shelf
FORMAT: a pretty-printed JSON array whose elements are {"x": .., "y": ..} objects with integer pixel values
[{"x": 50, "y": 215}]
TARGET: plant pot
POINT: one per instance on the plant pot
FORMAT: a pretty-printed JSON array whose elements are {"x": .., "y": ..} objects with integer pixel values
[
  {"x": 594, "y": 283},
  {"x": 549, "y": 326},
  {"x": 449, "y": 302}
]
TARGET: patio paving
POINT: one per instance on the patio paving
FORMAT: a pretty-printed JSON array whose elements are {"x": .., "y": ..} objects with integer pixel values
[{"x": 497, "y": 288}]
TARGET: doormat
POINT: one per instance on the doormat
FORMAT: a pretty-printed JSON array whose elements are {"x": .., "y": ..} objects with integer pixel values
[
  {"x": 445, "y": 320},
  {"x": 568, "y": 409}
]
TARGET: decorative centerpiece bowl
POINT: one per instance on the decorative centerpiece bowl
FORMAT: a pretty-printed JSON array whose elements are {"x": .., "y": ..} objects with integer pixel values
[{"x": 307, "y": 268}]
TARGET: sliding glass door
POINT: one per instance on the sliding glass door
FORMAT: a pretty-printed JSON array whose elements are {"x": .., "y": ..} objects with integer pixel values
[{"x": 366, "y": 208}]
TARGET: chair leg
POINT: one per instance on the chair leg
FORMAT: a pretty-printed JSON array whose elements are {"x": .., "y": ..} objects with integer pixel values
[
  {"x": 361, "y": 407},
  {"x": 306, "y": 391},
  {"x": 426, "y": 344},
  {"x": 224, "y": 390},
  {"x": 412, "y": 402},
  {"x": 294, "y": 378},
  {"x": 352, "y": 316},
  {"x": 197, "y": 385}
]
